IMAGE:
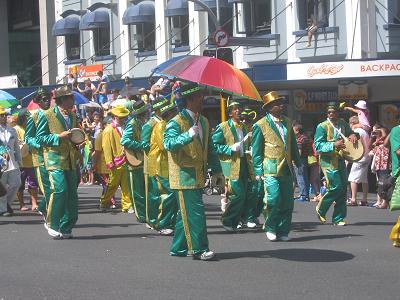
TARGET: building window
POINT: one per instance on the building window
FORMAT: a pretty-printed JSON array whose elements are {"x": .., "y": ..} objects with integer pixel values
[
  {"x": 142, "y": 37},
  {"x": 394, "y": 12},
  {"x": 313, "y": 12},
  {"x": 72, "y": 46},
  {"x": 256, "y": 17},
  {"x": 180, "y": 31},
  {"x": 101, "y": 40},
  {"x": 226, "y": 20}
]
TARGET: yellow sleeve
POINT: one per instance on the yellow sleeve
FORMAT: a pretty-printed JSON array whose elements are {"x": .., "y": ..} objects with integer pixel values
[
  {"x": 98, "y": 142},
  {"x": 158, "y": 132},
  {"x": 106, "y": 145}
]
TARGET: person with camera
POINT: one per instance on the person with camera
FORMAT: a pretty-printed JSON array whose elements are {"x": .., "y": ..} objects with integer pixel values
[{"x": 328, "y": 141}]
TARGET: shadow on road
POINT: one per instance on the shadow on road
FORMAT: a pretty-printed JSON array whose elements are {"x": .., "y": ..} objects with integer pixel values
[
  {"x": 116, "y": 236},
  {"x": 301, "y": 255},
  {"x": 323, "y": 237},
  {"x": 104, "y": 225}
]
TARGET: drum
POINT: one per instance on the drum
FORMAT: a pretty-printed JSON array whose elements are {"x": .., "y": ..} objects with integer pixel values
[
  {"x": 352, "y": 152},
  {"x": 77, "y": 136},
  {"x": 134, "y": 158},
  {"x": 24, "y": 149}
]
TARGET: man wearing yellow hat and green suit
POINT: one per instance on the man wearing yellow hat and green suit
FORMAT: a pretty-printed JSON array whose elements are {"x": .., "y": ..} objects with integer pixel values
[
  {"x": 42, "y": 98},
  {"x": 231, "y": 143},
  {"x": 60, "y": 156},
  {"x": 274, "y": 149},
  {"x": 131, "y": 140},
  {"x": 190, "y": 153},
  {"x": 115, "y": 160},
  {"x": 328, "y": 141}
]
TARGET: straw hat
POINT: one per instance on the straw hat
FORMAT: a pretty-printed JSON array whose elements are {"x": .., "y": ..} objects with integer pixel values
[
  {"x": 120, "y": 111},
  {"x": 3, "y": 111},
  {"x": 270, "y": 98}
]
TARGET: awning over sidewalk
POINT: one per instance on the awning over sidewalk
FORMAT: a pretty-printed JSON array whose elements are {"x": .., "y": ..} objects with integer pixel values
[
  {"x": 95, "y": 19},
  {"x": 142, "y": 12},
  {"x": 177, "y": 8},
  {"x": 66, "y": 26}
]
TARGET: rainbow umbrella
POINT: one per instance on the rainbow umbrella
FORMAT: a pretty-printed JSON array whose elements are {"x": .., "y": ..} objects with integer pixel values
[
  {"x": 7, "y": 100},
  {"x": 213, "y": 73}
]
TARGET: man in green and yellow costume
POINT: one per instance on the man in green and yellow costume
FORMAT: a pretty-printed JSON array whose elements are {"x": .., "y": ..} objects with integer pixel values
[
  {"x": 274, "y": 149},
  {"x": 328, "y": 142},
  {"x": 131, "y": 140},
  {"x": 231, "y": 143},
  {"x": 42, "y": 99},
  {"x": 60, "y": 156},
  {"x": 163, "y": 198},
  {"x": 190, "y": 152},
  {"x": 150, "y": 184}
]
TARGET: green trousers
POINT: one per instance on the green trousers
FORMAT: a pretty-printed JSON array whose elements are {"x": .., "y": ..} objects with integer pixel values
[
  {"x": 237, "y": 197},
  {"x": 62, "y": 212},
  {"x": 190, "y": 236},
  {"x": 164, "y": 204},
  {"x": 44, "y": 185},
  {"x": 137, "y": 192},
  {"x": 336, "y": 181},
  {"x": 152, "y": 199},
  {"x": 251, "y": 210},
  {"x": 279, "y": 204}
]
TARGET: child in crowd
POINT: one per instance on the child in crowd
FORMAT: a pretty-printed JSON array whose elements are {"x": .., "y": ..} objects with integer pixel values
[{"x": 362, "y": 111}]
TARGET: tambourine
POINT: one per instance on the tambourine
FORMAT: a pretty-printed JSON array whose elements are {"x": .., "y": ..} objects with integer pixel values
[
  {"x": 134, "y": 158},
  {"x": 352, "y": 152},
  {"x": 77, "y": 136},
  {"x": 24, "y": 149}
]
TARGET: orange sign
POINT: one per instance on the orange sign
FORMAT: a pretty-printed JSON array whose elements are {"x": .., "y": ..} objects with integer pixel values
[{"x": 84, "y": 72}]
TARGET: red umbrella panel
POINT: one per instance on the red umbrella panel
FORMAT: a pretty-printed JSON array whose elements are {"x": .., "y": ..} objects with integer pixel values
[{"x": 214, "y": 73}]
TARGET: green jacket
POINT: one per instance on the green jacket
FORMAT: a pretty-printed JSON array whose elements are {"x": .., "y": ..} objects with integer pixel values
[
  {"x": 130, "y": 139},
  {"x": 271, "y": 154},
  {"x": 325, "y": 137},
  {"x": 30, "y": 137},
  {"x": 189, "y": 158},
  {"x": 57, "y": 153},
  {"x": 394, "y": 146},
  {"x": 224, "y": 137}
]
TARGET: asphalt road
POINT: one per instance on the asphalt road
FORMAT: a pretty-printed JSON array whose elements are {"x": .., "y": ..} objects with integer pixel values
[{"x": 114, "y": 257}]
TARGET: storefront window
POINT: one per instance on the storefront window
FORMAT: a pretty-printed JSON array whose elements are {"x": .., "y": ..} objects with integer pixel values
[
  {"x": 72, "y": 46},
  {"x": 101, "y": 40},
  {"x": 257, "y": 17},
  {"x": 142, "y": 37},
  {"x": 313, "y": 11},
  {"x": 394, "y": 11},
  {"x": 180, "y": 30}
]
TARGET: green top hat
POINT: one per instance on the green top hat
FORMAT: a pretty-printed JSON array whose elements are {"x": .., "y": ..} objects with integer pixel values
[
  {"x": 190, "y": 88},
  {"x": 41, "y": 93},
  {"x": 139, "y": 107},
  {"x": 167, "y": 108},
  {"x": 231, "y": 103}
]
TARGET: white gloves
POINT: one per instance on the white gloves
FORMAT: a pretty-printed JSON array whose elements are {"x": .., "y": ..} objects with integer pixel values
[
  {"x": 193, "y": 131},
  {"x": 258, "y": 178},
  {"x": 235, "y": 147}
]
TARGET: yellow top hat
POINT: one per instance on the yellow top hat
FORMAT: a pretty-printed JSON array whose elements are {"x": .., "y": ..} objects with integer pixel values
[
  {"x": 120, "y": 111},
  {"x": 2, "y": 110},
  {"x": 63, "y": 91},
  {"x": 271, "y": 97}
]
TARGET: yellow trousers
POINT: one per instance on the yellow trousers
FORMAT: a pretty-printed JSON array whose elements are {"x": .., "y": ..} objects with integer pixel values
[{"x": 118, "y": 177}]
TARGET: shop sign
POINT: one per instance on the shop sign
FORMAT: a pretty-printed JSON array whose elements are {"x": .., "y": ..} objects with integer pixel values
[
  {"x": 85, "y": 72},
  {"x": 8, "y": 82},
  {"x": 353, "y": 90},
  {"x": 343, "y": 69},
  {"x": 315, "y": 96},
  {"x": 388, "y": 115}
]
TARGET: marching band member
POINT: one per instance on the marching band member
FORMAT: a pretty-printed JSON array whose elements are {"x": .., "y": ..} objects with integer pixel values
[
  {"x": 11, "y": 175},
  {"x": 230, "y": 145},
  {"x": 188, "y": 142},
  {"x": 163, "y": 196},
  {"x": 115, "y": 160},
  {"x": 149, "y": 182},
  {"x": 131, "y": 140},
  {"x": 328, "y": 142},
  {"x": 42, "y": 99},
  {"x": 274, "y": 148},
  {"x": 60, "y": 156}
]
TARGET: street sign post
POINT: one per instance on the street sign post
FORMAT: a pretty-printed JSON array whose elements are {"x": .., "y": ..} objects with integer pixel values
[{"x": 221, "y": 38}]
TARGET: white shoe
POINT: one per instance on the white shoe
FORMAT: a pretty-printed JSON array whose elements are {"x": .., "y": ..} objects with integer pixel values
[
  {"x": 271, "y": 236},
  {"x": 46, "y": 226},
  {"x": 284, "y": 238},
  {"x": 55, "y": 234},
  {"x": 130, "y": 211},
  {"x": 251, "y": 225},
  {"x": 166, "y": 231},
  {"x": 208, "y": 255},
  {"x": 66, "y": 236},
  {"x": 239, "y": 226},
  {"x": 113, "y": 206},
  {"x": 223, "y": 204}
]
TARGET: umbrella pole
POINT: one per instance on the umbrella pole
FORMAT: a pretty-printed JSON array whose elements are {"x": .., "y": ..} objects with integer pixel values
[{"x": 223, "y": 109}]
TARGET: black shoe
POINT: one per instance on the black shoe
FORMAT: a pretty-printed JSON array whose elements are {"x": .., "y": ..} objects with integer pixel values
[
  {"x": 9, "y": 209},
  {"x": 6, "y": 214}
]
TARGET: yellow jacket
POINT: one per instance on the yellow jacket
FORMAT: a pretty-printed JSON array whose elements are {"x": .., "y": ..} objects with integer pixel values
[
  {"x": 112, "y": 148},
  {"x": 158, "y": 156}
]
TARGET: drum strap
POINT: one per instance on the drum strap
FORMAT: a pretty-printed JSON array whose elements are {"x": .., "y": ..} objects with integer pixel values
[{"x": 338, "y": 130}]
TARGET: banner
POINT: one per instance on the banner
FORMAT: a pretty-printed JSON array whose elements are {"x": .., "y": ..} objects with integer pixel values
[
  {"x": 353, "y": 90},
  {"x": 343, "y": 69},
  {"x": 8, "y": 82},
  {"x": 85, "y": 72}
]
